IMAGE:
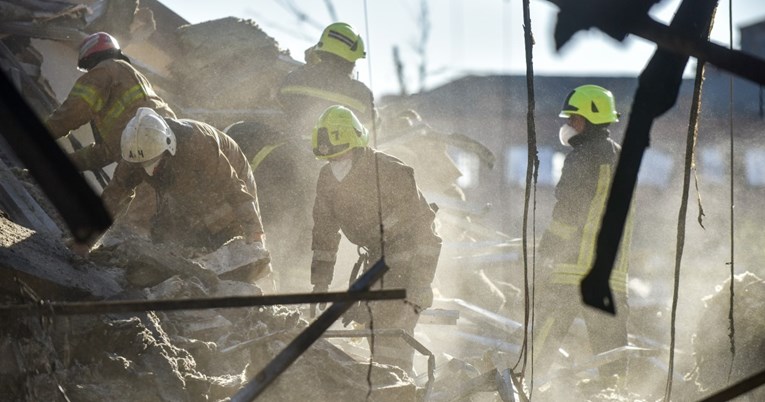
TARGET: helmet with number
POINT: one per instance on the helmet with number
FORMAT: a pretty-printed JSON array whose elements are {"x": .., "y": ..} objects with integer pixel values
[
  {"x": 95, "y": 48},
  {"x": 594, "y": 103},
  {"x": 337, "y": 132},
  {"x": 341, "y": 40},
  {"x": 146, "y": 138}
]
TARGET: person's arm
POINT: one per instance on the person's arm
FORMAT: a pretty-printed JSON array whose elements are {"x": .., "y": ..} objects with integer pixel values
[
  {"x": 219, "y": 178},
  {"x": 326, "y": 238},
  {"x": 118, "y": 193},
  {"x": 84, "y": 102},
  {"x": 403, "y": 203}
]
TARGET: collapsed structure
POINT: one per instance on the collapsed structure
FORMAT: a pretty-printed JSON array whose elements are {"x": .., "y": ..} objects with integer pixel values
[{"x": 209, "y": 354}]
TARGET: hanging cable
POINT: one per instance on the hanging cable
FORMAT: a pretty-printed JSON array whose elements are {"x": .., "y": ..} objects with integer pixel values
[
  {"x": 532, "y": 167},
  {"x": 690, "y": 151},
  {"x": 379, "y": 198},
  {"x": 731, "y": 326}
]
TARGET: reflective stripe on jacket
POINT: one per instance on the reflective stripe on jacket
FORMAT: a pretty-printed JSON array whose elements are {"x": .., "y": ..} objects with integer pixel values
[
  {"x": 108, "y": 95},
  {"x": 581, "y": 196},
  {"x": 310, "y": 89}
]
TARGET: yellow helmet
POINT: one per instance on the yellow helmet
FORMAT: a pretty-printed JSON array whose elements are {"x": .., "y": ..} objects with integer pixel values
[
  {"x": 594, "y": 103},
  {"x": 343, "y": 41},
  {"x": 337, "y": 132}
]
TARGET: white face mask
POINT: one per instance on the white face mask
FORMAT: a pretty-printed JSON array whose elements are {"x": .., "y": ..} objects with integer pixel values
[
  {"x": 565, "y": 133},
  {"x": 151, "y": 165},
  {"x": 340, "y": 168}
]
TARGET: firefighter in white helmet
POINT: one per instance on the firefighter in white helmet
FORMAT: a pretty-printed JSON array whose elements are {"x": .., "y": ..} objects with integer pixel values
[
  {"x": 205, "y": 188},
  {"x": 107, "y": 96},
  {"x": 567, "y": 247},
  {"x": 373, "y": 199}
]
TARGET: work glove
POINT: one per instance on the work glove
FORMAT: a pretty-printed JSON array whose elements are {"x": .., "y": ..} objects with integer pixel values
[
  {"x": 355, "y": 313},
  {"x": 319, "y": 288}
]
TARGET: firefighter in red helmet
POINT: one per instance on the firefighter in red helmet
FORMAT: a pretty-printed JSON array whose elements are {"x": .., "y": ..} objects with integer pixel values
[{"x": 107, "y": 96}]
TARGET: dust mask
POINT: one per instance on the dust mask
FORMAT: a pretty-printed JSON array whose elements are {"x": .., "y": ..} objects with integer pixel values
[
  {"x": 151, "y": 165},
  {"x": 565, "y": 134},
  {"x": 340, "y": 168}
]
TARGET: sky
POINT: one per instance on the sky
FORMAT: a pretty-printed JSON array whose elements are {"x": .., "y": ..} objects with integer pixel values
[{"x": 465, "y": 37}]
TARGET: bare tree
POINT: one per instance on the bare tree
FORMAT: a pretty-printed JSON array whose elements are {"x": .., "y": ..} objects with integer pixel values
[
  {"x": 399, "y": 71},
  {"x": 422, "y": 45}
]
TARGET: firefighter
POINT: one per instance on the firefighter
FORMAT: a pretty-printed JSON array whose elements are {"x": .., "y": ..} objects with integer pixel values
[
  {"x": 205, "y": 188},
  {"x": 567, "y": 246},
  {"x": 327, "y": 79},
  {"x": 285, "y": 171},
  {"x": 282, "y": 160},
  {"x": 107, "y": 96},
  {"x": 373, "y": 199}
]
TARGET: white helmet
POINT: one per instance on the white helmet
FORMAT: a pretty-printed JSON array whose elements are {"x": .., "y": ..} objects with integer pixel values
[{"x": 146, "y": 138}]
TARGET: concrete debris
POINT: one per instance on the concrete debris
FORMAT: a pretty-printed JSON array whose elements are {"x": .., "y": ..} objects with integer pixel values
[
  {"x": 711, "y": 342},
  {"x": 235, "y": 256},
  {"x": 44, "y": 264},
  {"x": 147, "y": 264},
  {"x": 207, "y": 355},
  {"x": 179, "y": 356},
  {"x": 25, "y": 209},
  {"x": 249, "y": 58}
]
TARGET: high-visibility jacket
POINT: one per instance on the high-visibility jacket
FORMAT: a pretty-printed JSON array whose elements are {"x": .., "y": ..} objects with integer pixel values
[
  {"x": 107, "y": 95},
  {"x": 310, "y": 89},
  {"x": 205, "y": 189},
  {"x": 581, "y": 196}
]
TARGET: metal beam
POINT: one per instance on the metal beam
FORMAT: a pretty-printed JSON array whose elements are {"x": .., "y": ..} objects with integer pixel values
[
  {"x": 306, "y": 338},
  {"x": 124, "y": 306},
  {"x": 658, "y": 88},
  {"x": 79, "y": 206},
  {"x": 399, "y": 333},
  {"x": 737, "y": 389},
  {"x": 619, "y": 18}
]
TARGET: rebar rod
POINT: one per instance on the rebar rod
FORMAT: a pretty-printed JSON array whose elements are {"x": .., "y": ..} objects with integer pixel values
[{"x": 124, "y": 306}]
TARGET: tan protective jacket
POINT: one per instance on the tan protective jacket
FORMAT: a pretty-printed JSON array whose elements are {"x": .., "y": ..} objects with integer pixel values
[
  {"x": 107, "y": 95},
  {"x": 310, "y": 89},
  {"x": 354, "y": 207},
  {"x": 206, "y": 192}
]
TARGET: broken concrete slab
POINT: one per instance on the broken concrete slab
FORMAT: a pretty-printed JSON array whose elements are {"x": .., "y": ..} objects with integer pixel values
[
  {"x": 712, "y": 342},
  {"x": 44, "y": 264},
  {"x": 21, "y": 206},
  {"x": 238, "y": 260},
  {"x": 147, "y": 264},
  {"x": 241, "y": 63}
]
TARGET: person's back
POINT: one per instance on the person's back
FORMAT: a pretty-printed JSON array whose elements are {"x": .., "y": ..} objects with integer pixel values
[
  {"x": 326, "y": 80},
  {"x": 107, "y": 95},
  {"x": 205, "y": 189},
  {"x": 285, "y": 171}
]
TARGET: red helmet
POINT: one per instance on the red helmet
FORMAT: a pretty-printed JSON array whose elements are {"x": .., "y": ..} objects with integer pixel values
[{"x": 96, "y": 43}]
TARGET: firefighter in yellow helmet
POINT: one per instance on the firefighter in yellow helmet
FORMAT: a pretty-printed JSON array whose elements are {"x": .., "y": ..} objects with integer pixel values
[
  {"x": 281, "y": 157},
  {"x": 107, "y": 96},
  {"x": 356, "y": 189},
  {"x": 567, "y": 246},
  {"x": 327, "y": 79}
]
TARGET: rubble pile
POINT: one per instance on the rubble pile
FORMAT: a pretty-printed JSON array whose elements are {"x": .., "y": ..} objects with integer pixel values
[
  {"x": 239, "y": 61},
  {"x": 197, "y": 355},
  {"x": 711, "y": 343}
]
